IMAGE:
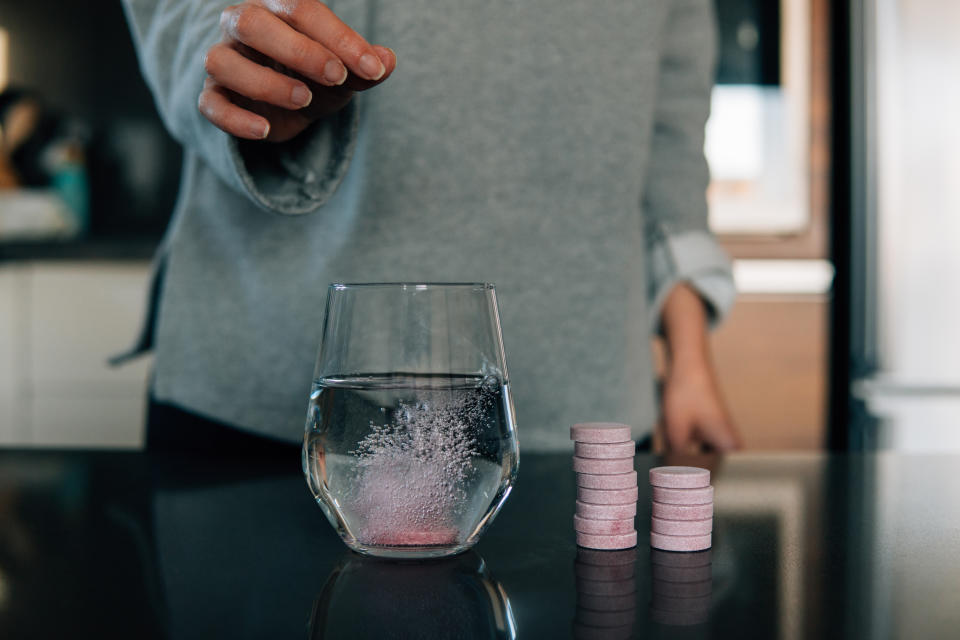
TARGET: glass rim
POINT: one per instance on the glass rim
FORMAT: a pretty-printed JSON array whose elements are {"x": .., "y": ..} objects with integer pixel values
[{"x": 343, "y": 286}]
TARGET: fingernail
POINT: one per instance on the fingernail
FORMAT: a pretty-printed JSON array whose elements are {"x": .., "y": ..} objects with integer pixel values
[
  {"x": 301, "y": 96},
  {"x": 335, "y": 72},
  {"x": 372, "y": 67},
  {"x": 260, "y": 131}
]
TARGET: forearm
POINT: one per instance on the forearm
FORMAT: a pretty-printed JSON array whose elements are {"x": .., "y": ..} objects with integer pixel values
[
  {"x": 684, "y": 322},
  {"x": 694, "y": 413}
]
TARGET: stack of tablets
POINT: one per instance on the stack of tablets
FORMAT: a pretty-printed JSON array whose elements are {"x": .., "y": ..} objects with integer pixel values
[
  {"x": 606, "y": 485},
  {"x": 682, "y": 509}
]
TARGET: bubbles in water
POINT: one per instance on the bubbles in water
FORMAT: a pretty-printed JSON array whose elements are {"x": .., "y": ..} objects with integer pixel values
[
  {"x": 413, "y": 469},
  {"x": 414, "y": 461},
  {"x": 490, "y": 384}
]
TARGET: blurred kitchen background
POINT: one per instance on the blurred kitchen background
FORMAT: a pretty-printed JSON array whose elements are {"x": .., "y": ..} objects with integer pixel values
[{"x": 835, "y": 153}]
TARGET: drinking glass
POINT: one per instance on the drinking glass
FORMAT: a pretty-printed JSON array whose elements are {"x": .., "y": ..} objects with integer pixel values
[{"x": 410, "y": 446}]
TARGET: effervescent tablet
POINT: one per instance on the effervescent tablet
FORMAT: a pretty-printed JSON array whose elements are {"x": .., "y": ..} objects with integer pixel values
[
  {"x": 606, "y": 511},
  {"x": 680, "y": 477},
  {"x": 602, "y": 527},
  {"x": 600, "y": 466},
  {"x": 680, "y": 543},
  {"x": 607, "y": 496},
  {"x": 681, "y": 511},
  {"x": 600, "y": 432},
  {"x": 605, "y": 451},
  {"x": 619, "y": 541},
  {"x": 703, "y": 495},
  {"x": 682, "y": 527},
  {"x": 607, "y": 481}
]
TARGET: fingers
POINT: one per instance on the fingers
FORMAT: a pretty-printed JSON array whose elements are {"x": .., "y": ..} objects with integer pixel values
[
  {"x": 230, "y": 69},
  {"x": 318, "y": 22},
  {"x": 724, "y": 438},
  {"x": 389, "y": 60},
  {"x": 695, "y": 431},
  {"x": 266, "y": 33},
  {"x": 285, "y": 62},
  {"x": 215, "y": 104}
]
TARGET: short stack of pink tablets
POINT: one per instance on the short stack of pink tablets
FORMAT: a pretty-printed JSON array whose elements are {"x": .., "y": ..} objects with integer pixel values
[
  {"x": 606, "y": 485},
  {"x": 682, "y": 509}
]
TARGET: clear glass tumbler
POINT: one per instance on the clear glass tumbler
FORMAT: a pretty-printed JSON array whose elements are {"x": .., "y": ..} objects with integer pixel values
[{"x": 410, "y": 446}]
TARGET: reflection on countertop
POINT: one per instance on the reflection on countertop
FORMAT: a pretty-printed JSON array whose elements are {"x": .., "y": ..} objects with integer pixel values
[{"x": 375, "y": 598}]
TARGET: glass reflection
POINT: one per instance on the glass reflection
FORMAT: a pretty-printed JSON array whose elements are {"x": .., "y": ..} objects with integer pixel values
[
  {"x": 606, "y": 594},
  {"x": 373, "y": 598},
  {"x": 682, "y": 587}
]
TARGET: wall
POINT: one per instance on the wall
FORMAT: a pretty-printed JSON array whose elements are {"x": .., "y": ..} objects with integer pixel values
[{"x": 59, "y": 322}]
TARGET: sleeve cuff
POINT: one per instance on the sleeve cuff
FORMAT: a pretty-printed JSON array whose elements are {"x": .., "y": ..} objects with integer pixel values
[
  {"x": 298, "y": 176},
  {"x": 692, "y": 257}
]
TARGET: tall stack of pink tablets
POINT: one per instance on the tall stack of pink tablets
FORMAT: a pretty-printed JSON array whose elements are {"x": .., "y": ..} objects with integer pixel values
[
  {"x": 606, "y": 485},
  {"x": 682, "y": 509}
]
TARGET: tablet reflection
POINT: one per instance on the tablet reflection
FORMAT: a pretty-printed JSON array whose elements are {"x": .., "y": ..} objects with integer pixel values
[
  {"x": 373, "y": 598},
  {"x": 606, "y": 594},
  {"x": 682, "y": 587}
]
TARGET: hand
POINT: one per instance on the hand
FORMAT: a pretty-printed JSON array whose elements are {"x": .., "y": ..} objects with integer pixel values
[
  {"x": 694, "y": 414},
  {"x": 282, "y": 64}
]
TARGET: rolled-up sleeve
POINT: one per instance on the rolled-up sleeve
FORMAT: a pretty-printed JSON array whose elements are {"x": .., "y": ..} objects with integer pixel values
[
  {"x": 296, "y": 177},
  {"x": 679, "y": 244}
]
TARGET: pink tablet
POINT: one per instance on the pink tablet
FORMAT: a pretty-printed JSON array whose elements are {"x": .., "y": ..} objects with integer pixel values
[
  {"x": 607, "y": 496},
  {"x": 612, "y": 450},
  {"x": 680, "y": 543},
  {"x": 680, "y": 477},
  {"x": 599, "y": 466},
  {"x": 620, "y": 541},
  {"x": 602, "y": 527},
  {"x": 682, "y": 527},
  {"x": 704, "y": 495},
  {"x": 682, "y": 511},
  {"x": 606, "y": 511},
  {"x": 600, "y": 432},
  {"x": 613, "y": 481}
]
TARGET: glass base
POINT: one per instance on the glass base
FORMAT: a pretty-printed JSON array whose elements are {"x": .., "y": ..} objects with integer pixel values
[{"x": 409, "y": 552}]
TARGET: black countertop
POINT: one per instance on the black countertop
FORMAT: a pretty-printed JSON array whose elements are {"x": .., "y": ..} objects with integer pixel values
[{"x": 96, "y": 544}]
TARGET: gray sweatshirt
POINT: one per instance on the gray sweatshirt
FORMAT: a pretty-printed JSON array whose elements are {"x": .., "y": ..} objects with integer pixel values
[{"x": 552, "y": 147}]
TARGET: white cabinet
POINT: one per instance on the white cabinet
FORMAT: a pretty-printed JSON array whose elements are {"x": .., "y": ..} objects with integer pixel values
[
  {"x": 11, "y": 354},
  {"x": 59, "y": 322}
]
